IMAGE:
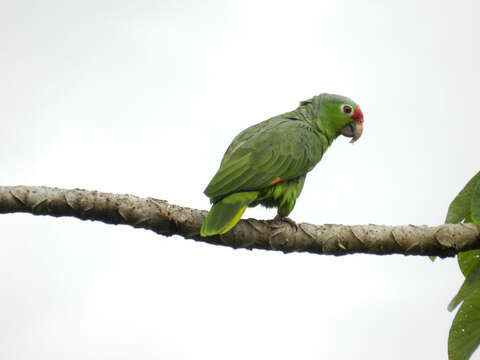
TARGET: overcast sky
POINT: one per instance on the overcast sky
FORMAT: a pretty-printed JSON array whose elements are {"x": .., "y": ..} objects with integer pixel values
[{"x": 143, "y": 97}]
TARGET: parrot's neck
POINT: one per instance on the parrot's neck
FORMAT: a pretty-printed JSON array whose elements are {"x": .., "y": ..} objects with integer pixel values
[{"x": 310, "y": 113}]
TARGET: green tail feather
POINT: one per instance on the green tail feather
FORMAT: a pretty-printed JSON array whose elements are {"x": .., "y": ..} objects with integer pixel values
[{"x": 226, "y": 213}]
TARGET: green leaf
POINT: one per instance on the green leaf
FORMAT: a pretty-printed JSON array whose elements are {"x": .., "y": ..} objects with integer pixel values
[
  {"x": 460, "y": 207},
  {"x": 471, "y": 284},
  {"x": 464, "y": 334},
  {"x": 475, "y": 205},
  {"x": 468, "y": 260}
]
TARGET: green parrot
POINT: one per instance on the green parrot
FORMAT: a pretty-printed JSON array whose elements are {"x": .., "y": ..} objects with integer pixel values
[{"x": 267, "y": 163}]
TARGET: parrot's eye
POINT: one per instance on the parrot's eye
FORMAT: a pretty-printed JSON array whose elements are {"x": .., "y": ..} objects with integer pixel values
[{"x": 347, "y": 109}]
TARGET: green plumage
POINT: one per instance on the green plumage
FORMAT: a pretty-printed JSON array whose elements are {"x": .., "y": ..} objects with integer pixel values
[
  {"x": 226, "y": 212},
  {"x": 267, "y": 163}
]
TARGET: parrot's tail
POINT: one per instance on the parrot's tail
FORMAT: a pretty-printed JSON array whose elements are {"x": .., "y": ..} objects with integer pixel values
[{"x": 226, "y": 213}]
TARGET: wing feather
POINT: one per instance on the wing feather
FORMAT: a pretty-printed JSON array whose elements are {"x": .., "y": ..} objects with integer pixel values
[{"x": 275, "y": 148}]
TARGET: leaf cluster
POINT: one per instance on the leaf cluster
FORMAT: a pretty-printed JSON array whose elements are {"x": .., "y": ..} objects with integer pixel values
[{"x": 464, "y": 336}]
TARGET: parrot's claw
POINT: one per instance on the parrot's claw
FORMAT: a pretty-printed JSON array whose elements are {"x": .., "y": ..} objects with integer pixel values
[{"x": 280, "y": 219}]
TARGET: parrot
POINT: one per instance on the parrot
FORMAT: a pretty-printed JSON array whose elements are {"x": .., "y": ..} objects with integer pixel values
[{"x": 267, "y": 163}]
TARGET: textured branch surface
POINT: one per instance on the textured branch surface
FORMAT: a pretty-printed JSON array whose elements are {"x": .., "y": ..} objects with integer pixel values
[{"x": 167, "y": 219}]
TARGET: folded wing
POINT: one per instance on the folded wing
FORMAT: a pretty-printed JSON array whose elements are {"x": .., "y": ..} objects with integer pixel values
[{"x": 276, "y": 150}]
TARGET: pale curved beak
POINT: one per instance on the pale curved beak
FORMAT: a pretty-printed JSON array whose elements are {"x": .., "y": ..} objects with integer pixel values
[{"x": 353, "y": 130}]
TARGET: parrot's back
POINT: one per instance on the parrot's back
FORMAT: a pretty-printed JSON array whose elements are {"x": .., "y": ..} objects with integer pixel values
[{"x": 275, "y": 150}]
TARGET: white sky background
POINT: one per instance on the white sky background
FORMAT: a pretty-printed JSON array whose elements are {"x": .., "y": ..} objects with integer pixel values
[{"x": 143, "y": 97}]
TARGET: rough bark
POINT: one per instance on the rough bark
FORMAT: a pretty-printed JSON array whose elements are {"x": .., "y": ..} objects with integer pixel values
[{"x": 168, "y": 219}]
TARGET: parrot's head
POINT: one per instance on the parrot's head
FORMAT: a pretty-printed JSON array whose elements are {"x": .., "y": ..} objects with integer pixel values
[{"x": 341, "y": 115}]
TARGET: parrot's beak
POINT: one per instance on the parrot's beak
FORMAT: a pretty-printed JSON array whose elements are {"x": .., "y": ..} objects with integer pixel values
[{"x": 355, "y": 128}]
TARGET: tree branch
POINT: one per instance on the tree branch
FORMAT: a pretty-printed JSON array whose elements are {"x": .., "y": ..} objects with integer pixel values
[{"x": 168, "y": 219}]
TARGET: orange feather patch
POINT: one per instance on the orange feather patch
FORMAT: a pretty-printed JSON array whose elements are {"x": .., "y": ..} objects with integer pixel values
[{"x": 276, "y": 181}]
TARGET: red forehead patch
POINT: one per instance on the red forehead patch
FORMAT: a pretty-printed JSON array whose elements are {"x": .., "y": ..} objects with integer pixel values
[{"x": 358, "y": 115}]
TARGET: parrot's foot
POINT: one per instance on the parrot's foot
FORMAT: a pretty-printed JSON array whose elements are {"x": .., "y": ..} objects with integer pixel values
[{"x": 279, "y": 218}]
